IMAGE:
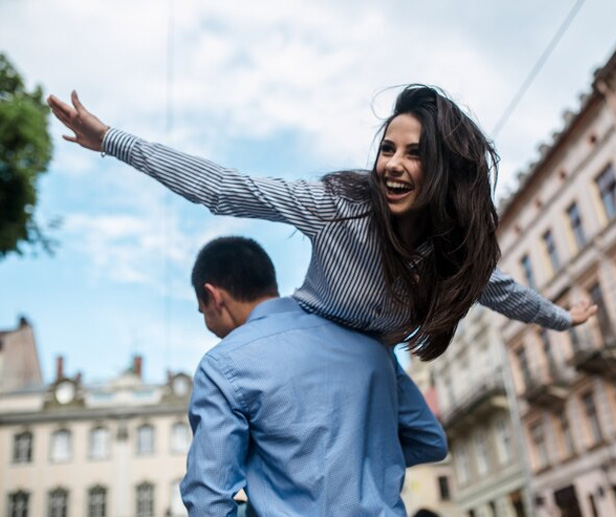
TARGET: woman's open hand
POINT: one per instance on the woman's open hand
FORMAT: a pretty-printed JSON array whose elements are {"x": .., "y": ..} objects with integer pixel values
[{"x": 89, "y": 130}]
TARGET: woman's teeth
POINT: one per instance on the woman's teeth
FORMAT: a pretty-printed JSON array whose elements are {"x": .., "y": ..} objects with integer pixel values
[{"x": 398, "y": 187}]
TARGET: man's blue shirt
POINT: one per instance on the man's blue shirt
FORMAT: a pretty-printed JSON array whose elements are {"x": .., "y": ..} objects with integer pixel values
[{"x": 310, "y": 418}]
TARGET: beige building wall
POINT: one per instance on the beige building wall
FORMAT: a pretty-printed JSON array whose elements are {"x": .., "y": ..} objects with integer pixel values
[
  {"x": 121, "y": 407},
  {"x": 19, "y": 364},
  {"x": 565, "y": 381},
  {"x": 429, "y": 486}
]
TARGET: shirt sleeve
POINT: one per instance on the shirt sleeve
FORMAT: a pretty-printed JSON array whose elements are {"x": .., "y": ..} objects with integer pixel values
[
  {"x": 504, "y": 295},
  {"x": 421, "y": 435},
  {"x": 215, "y": 468},
  {"x": 303, "y": 204}
]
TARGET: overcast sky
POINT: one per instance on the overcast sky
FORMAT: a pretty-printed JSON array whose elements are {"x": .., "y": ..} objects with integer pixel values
[{"x": 279, "y": 88}]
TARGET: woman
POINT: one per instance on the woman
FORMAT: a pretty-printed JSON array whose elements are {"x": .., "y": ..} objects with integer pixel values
[{"x": 401, "y": 251}]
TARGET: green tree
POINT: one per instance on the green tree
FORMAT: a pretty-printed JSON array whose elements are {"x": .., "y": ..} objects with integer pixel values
[{"x": 25, "y": 152}]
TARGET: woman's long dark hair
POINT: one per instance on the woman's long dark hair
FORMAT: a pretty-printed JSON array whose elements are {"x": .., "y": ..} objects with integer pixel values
[{"x": 443, "y": 274}]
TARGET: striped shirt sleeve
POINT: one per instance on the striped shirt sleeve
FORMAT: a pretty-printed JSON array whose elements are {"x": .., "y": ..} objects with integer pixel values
[
  {"x": 504, "y": 295},
  {"x": 303, "y": 204}
]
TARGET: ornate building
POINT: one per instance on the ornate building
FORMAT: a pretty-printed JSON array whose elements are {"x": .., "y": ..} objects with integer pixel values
[
  {"x": 429, "y": 486},
  {"x": 483, "y": 438},
  {"x": 116, "y": 449},
  {"x": 558, "y": 232}
]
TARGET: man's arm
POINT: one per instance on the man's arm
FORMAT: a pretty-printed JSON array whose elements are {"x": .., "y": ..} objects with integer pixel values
[
  {"x": 504, "y": 295},
  {"x": 421, "y": 435},
  {"x": 215, "y": 464}
]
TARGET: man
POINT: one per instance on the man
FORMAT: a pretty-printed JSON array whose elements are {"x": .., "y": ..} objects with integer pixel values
[{"x": 309, "y": 417}]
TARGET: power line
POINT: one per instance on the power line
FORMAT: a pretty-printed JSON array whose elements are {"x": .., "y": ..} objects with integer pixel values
[
  {"x": 167, "y": 212},
  {"x": 536, "y": 68}
]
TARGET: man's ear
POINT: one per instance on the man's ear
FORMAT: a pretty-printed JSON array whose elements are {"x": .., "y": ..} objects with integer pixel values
[{"x": 214, "y": 294}]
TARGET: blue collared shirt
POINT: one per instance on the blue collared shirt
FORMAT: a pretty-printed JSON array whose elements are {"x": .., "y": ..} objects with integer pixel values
[{"x": 310, "y": 418}]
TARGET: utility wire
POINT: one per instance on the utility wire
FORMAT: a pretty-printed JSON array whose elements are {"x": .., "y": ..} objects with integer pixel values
[
  {"x": 167, "y": 230},
  {"x": 536, "y": 68}
]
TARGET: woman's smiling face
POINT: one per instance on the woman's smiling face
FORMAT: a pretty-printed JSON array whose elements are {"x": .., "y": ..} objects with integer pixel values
[{"x": 398, "y": 167}]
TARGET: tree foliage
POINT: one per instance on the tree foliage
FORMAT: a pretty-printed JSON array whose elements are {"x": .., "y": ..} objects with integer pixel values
[{"x": 25, "y": 152}]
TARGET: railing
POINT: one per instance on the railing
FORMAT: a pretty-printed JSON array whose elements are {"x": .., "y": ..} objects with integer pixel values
[{"x": 473, "y": 399}]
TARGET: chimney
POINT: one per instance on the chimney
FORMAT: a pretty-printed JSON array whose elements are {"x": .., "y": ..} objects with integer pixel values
[
  {"x": 137, "y": 364},
  {"x": 59, "y": 368}
]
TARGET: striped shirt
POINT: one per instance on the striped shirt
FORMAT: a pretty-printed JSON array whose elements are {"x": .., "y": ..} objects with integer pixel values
[{"x": 345, "y": 281}]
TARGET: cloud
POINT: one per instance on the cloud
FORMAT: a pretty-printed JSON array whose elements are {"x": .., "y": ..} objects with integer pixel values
[{"x": 140, "y": 248}]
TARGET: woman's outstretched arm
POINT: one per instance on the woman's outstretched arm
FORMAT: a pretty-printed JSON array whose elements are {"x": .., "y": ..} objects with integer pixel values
[
  {"x": 305, "y": 205},
  {"x": 504, "y": 295}
]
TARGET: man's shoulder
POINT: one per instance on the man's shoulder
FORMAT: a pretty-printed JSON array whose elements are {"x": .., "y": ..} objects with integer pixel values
[{"x": 280, "y": 323}]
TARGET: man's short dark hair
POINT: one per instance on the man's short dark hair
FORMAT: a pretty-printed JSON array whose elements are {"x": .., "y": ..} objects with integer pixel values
[{"x": 236, "y": 264}]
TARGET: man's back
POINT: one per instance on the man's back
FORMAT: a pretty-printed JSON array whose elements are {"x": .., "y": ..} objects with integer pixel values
[{"x": 307, "y": 414}]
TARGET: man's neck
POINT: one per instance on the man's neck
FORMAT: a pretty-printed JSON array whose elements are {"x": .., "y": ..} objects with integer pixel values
[{"x": 240, "y": 311}]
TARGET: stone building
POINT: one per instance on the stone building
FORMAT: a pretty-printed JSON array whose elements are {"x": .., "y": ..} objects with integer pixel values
[
  {"x": 116, "y": 449},
  {"x": 471, "y": 382},
  {"x": 558, "y": 232},
  {"x": 429, "y": 486},
  {"x": 19, "y": 364}
]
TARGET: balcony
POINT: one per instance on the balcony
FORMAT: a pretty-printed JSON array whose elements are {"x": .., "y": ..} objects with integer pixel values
[
  {"x": 545, "y": 387},
  {"x": 475, "y": 404},
  {"x": 594, "y": 360}
]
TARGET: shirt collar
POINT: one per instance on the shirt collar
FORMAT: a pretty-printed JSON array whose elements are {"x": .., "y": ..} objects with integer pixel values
[{"x": 273, "y": 306}]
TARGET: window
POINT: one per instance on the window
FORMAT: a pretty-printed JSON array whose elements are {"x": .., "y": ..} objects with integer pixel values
[
  {"x": 523, "y": 364},
  {"x": 565, "y": 431},
  {"x": 61, "y": 446},
  {"x": 443, "y": 488},
  {"x": 97, "y": 499},
  {"x": 99, "y": 443},
  {"x": 482, "y": 453},
  {"x": 22, "y": 447},
  {"x": 462, "y": 466},
  {"x": 550, "y": 248},
  {"x": 541, "y": 450},
  {"x": 575, "y": 220},
  {"x": 57, "y": 503},
  {"x": 503, "y": 441},
  {"x": 145, "y": 500},
  {"x": 606, "y": 182},
  {"x": 593, "y": 419},
  {"x": 603, "y": 318},
  {"x": 547, "y": 349},
  {"x": 18, "y": 504},
  {"x": 180, "y": 438},
  {"x": 527, "y": 268},
  {"x": 145, "y": 439}
]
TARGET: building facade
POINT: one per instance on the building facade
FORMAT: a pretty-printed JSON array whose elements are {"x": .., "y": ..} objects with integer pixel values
[
  {"x": 116, "y": 449},
  {"x": 19, "y": 364},
  {"x": 474, "y": 408},
  {"x": 429, "y": 486},
  {"x": 558, "y": 233}
]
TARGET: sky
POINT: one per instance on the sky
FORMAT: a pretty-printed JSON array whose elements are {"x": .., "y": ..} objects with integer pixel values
[{"x": 284, "y": 88}]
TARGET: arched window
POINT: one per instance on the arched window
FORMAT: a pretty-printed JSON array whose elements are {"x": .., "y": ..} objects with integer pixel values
[
  {"x": 99, "y": 443},
  {"x": 145, "y": 500},
  {"x": 22, "y": 447},
  {"x": 145, "y": 439},
  {"x": 18, "y": 504},
  {"x": 180, "y": 438},
  {"x": 97, "y": 501},
  {"x": 61, "y": 446},
  {"x": 57, "y": 503}
]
